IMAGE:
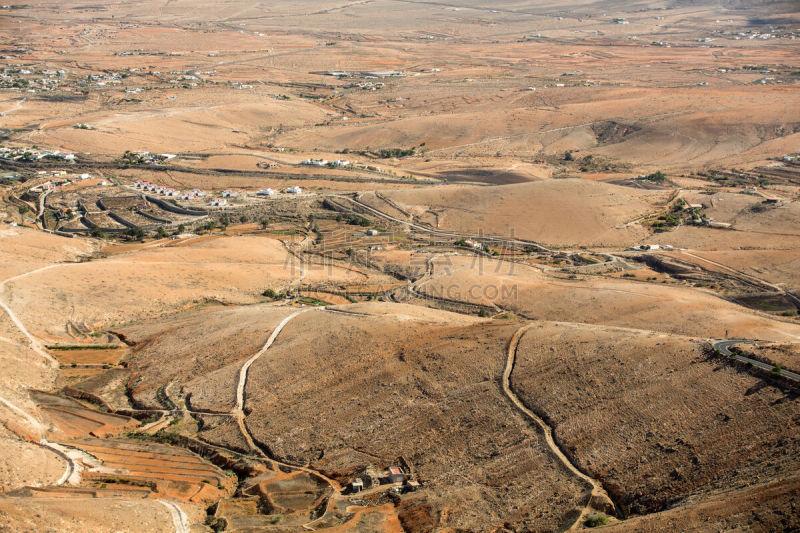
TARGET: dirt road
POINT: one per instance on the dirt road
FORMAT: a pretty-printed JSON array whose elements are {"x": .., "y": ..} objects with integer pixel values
[
  {"x": 238, "y": 410},
  {"x": 599, "y": 494},
  {"x": 179, "y": 518}
]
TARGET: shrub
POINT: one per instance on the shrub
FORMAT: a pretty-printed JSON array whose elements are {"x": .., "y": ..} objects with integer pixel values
[
  {"x": 357, "y": 220},
  {"x": 269, "y": 293},
  {"x": 136, "y": 233},
  {"x": 595, "y": 520}
]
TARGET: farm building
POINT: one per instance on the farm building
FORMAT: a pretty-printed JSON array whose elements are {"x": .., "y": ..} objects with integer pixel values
[{"x": 396, "y": 475}]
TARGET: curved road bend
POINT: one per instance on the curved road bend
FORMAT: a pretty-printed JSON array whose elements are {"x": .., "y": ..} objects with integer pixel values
[
  {"x": 598, "y": 492},
  {"x": 724, "y": 349}
]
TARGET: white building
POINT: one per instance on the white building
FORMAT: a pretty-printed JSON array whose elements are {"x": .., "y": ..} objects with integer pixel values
[
  {"x": 266, "y": 192},
  {"x": 294, "y": 190},
  {"x": 315, "y": 162},
  {"x": 218, "y": 202}
]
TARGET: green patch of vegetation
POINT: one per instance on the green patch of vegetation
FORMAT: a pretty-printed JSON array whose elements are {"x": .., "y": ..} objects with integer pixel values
[
  {"x": 595, "y": 520},
  {"x": 135, "y": 233},
  {"x": 388, "y": 153},
  {"x": 656, "y": 177},
  {"x": 308, "y": 300},
  {"x": 273, "y": 295},
  {"x": 357, "y": 220},
  {"x": 216, "y": 524}
]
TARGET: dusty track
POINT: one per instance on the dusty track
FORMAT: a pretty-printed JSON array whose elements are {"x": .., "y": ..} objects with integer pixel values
[
  {"x": 238, "y": 410},
  {"x": 599, "y": 494},
  {"x": 179, "y": 518},
  {"x": 35, "y": 345}
]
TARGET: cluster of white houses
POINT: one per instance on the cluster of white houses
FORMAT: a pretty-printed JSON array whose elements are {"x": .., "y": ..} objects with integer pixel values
[
  {"x": 168, "y": 191},
  {"x": 220, "y": 201},
  {"x": 325, "y": 163},
  {"x": 32, "y": 154}
]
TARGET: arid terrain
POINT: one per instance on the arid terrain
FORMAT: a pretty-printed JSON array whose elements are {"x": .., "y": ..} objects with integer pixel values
[{"x": 400, "y": 266}]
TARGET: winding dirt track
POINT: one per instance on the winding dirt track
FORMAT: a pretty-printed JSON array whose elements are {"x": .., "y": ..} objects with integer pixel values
[
  {"x": 598, "y": 492},
  {"x": 72, "y": 470},
  {"x": 35, "y": 345},
  {"x": 238, "y": 410}
]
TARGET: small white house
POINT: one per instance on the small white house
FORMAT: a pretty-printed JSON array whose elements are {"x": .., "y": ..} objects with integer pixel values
[
  {"x": 219, "y": 202},
  {"x": 265, "y": 192},
  {"x": 294, "y": 190}
]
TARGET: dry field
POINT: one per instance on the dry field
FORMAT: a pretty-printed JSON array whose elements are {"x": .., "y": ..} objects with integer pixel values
[
  {"x": 667, "y": 307},
  {"x": 650, "y": 416}
]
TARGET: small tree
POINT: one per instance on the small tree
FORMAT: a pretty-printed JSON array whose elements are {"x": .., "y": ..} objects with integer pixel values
[
  {"x": 264, "y": 223},
  {"x": 243, "y": 219},
  {"x": 568, "y": 156},
  {"x": 595, "y": 520},
  {"x": 161, "y": 232},
  {"x": 269, "y": 293}
]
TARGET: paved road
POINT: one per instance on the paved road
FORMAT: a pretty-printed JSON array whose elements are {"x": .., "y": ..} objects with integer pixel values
[{"x": 724, "y": 348}]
